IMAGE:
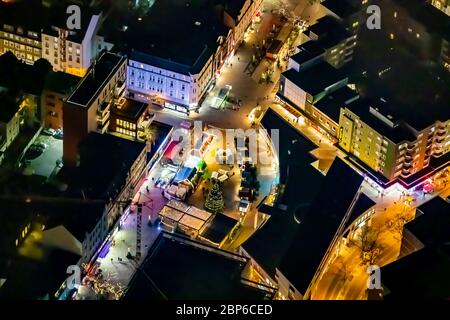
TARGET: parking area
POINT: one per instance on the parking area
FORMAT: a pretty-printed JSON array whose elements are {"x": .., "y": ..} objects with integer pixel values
[{"x": 47, "y": 159}]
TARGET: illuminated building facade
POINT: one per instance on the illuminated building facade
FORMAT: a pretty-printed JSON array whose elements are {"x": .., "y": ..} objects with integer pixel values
[
  {"x": 131, "y": 119},
  {"x": 73, "y": 51},
  {"x": 388, "y": 145},
  {"x": 178, "y": 77},
  {"x": 316, "y": 93}
]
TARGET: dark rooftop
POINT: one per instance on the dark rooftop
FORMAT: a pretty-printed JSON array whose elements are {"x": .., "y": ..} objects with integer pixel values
[
  {"x": 219, "y": 227},
  {"x": 331, "y": 104},
  {"x": 8, "y": 107},
  {"x": 193, "y": 38},
  {"x": 397, "y": 134},
  {"x": 131, "y": 109},
  {"x": 308, "y": 51},
  {"x": 319, "y": 225},
  {"x": 433, "y": 19},
  {"x": 301, "y": 185},
  {"x": 363, "y": 204},
  {"x": 342, "y": 8},
  {"x": 315, "y": 79},
  {"x": 233, "y": 7},
  {"x": 27, "y": 14},
  {"x": 61, "y": 82},
  {"x": 416, "y": 90},
  {"x": 30, "y": 279},
  {"x": 330, "y": 32},
  {"x": 101, "y": 71},
  {"x": 432, "y": 227},
  {"x": 20, "y": 77},
  {"x": 107, "y": 158},
  {"x": 179, "y": 268},
  {"x": 420, "y": 275}
]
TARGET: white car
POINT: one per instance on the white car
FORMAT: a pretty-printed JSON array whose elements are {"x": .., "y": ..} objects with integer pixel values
[{"x": 48, "y": 131}]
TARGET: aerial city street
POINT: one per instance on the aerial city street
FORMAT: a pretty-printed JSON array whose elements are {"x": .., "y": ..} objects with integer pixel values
[{"x": 224, "y": 150}]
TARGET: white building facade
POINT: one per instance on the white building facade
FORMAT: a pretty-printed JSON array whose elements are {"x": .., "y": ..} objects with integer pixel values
[{"x": 73, "y": 53}]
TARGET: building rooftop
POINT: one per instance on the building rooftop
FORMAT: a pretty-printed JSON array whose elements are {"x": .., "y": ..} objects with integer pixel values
[
  {"x": 270, "y": 246},
  {"x": 20, "y": 77},
  {"x": 397, "y": 134},
  {"x": 130, "y": 109},
  {"x": 342, "y": 8},
  {"x": 35, "y": 279},
  {"x": 432, "y": 227},
  {"x": 193, "y": 38},
  {"x": 56, "y": 16},
  {"x": 61, "y": 82},
  {"x": 8, "y": 106},
  {"x": 179, "y": 268},
  {"x": 105, "y": 161},
  {"x": 420, "y": 275},
  {"x": 319, "y": 224},
  {"x": 234, "y": 7},
  {"x": 219, "y": 227},
  {"x": 416, "y": 91},
  {"x": 433, "y": 19},
  {"x": 330, "y": 32},
  {"x": 331, "y": 104},
  {"x": 308, "y": 51},
  {"x": 97, "y": 75},
  {"x": 315, "y": 79},
  {"x": 26, "y": 14}
]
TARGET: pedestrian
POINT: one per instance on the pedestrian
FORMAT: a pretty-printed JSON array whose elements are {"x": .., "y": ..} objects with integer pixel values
[
  {"x": 146, "y": 187},
  {"x": 239, "y": 58}
]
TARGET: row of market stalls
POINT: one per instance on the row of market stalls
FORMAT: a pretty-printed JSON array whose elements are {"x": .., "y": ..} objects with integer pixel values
[
  {"x": 177, "y": 216},
  {"x": 184, "y": 166}
]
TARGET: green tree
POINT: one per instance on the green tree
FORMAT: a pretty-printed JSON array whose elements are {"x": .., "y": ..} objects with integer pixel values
[{"x": 214, "y": 200}]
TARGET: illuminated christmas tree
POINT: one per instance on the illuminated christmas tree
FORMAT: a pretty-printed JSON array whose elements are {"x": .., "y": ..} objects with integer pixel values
[{"x": 214, "y": 200}]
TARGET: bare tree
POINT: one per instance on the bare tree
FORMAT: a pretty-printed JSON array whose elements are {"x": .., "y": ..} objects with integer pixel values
[
  {"x": 341, "y": 270},
  {"x": 367, "y": 242}
]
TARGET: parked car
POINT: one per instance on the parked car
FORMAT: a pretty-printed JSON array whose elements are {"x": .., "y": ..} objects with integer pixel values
[
  {"x": 48, "y": 131},
  {"x": 40, "y": 146},
  {"x": 58, "y": 134}
]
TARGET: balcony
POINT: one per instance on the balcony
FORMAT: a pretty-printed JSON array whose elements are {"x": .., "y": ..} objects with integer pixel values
[
  {"x": 407, "y": 165},
  {"x": 104, "y": 108},
  {"x": 405, "y": 173},
  {"x": 441, "y": 130},
  {"x": 120, "y": 88},
  {"x": 408, "y": 158},
  {"x": 103, "y": 127}
]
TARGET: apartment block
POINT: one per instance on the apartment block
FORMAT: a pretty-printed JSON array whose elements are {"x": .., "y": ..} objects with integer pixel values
[
  {"x": 73, "y": 51},
  {"x": 389, "y": 145},
  {"x": 338, "y": 43},
  {"x": 352, "y": 13},
  {"x": 88, "y": 107}
]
